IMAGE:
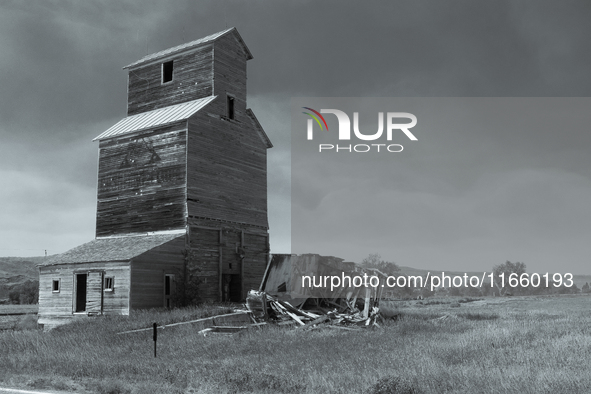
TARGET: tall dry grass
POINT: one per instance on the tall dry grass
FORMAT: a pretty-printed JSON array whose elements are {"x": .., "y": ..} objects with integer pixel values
[{"x": 494, "y": 349}]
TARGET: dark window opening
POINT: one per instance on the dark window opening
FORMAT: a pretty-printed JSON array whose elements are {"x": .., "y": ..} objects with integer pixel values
[
  {"x": 55, "y": 286},
  {"x": 80, "y": 292},
  {"x": 168, "y": 290},
  {"x": 167, "y": 72},
  {"x": 282, "y": 288},
  {"x": 167, "y": 285},
  {"x": 109, "y": 283},
  {"x": 230, "y": 107},
  {"x": 232, "y": 289}
]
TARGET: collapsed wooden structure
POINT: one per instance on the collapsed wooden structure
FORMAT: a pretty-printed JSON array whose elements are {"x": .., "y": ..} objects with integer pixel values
[
  {"x": 301, "y": 280},
  {"x": 284, "y": 298},
  {"x": 182, "y": 190}
]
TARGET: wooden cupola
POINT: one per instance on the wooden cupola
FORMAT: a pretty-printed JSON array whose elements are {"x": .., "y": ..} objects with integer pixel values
[{"x": 211, "y": 66}]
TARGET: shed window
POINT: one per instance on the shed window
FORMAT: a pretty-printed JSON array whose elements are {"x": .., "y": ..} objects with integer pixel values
[
  {"x": 109, "y": 283},
  {"x": 55, "y": 287},
  {"x": 230, "y": 107},
  {"x": 167, "y": 71}
]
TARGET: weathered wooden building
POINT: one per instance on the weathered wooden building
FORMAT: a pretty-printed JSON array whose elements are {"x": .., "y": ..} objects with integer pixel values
[{"x": 182, "y": 190}]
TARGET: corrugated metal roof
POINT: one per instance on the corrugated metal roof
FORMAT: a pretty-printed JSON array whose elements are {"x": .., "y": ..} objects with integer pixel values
[
  {"x": 111, "y": 249},
  {"x": 190, "y": 45},
  {"x": 157, "y": 117}
]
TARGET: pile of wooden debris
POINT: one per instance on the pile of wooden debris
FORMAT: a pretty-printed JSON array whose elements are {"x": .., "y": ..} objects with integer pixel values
[{"x": 267, "y": 309}]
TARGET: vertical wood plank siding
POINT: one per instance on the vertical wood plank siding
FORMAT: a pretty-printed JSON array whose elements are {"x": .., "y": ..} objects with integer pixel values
[
  {"x": 208, "y": 252},
  {"x": 192, "y": 79},
  {"x": 94, "y": 292},
  {"x": 256, "y": 255},
  {"x": 204, "y": 266},
  {"x": 141, "y": 182}
]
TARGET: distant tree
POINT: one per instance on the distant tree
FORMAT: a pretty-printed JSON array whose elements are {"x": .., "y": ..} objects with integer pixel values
[
  {"x": 374, "y": 260},
  {"x": 507, "y": 269},
  {"x": 29, "y": 292},
  {"x": 585, "y": 288},
  {"x": 426, "y": 291},
  {"x": 473, "y": 291},
  {"x": 487, "y": 290},
  {"x": 441, "y": 291},
  {"x": 14, "y": 296},
  {"x": 455, "y": 291},
  {"x": 25, "y": 293}
]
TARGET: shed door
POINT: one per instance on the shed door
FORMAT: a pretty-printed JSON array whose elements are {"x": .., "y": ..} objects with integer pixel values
[{"x": 94, "y": 293}]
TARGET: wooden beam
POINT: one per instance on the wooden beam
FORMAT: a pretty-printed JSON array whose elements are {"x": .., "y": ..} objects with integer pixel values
[
  {"x": 220, "y": 267},
  {"x": 367, "y": 299},
  {"x": 183, "y": 322},
  {"x": 242, "y": 258}
]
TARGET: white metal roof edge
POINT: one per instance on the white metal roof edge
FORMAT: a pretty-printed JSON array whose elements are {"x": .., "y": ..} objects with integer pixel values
[
  {"x": 157, "y": 117},
  {"x": 178, "y": 231}
]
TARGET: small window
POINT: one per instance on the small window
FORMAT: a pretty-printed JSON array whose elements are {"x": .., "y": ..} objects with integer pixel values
[
  {"x": 167, "y": 284},
  {"x": 230, "y": 107},
  {"x": 55, "y": 287},
  {"x": 109, "y": 283},
  {"x": 167, "y": 72}
]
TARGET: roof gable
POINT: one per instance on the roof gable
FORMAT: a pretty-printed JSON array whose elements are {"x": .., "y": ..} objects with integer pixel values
[
  {"x": 191, "y": 45},
  {"x": 259, "y": 129},
  {"x": 112, "y": 249}
]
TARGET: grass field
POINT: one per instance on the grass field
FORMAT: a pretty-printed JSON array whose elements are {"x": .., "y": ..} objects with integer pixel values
[
  {"x": 18, "y": 317},
  {"x": 492, "y": 345}
]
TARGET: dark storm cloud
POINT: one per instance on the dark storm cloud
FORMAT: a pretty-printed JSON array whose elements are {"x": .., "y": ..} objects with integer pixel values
[
  {"x": 428, "y": 48},
  {"x": 488, "y": 179},
  {"x": 62, "y": 84}
]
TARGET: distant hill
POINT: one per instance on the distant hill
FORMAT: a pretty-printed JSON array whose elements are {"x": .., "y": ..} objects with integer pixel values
[{"x": 17, "y": 270}]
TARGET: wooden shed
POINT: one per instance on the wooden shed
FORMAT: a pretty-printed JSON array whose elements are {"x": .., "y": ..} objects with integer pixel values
[{"x": 182, "y": 187}]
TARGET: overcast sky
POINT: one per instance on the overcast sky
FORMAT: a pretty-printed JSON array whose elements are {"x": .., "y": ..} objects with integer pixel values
[{"x": 63, "y": 84}]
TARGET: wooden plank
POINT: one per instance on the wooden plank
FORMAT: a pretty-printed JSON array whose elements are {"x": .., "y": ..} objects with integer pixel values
[
  {"x": 241, "y": 257},
  {"x": 149, "y": 269},
  {"x": 94, "y": 293},
  {"x": 221, "y": 267},
  {"x": 58, "y": 306},
  {"x": 226, "y": 170},
  {"x": 192, "y": 79},
  {"x": 204, "y": 319},
  {"x": 141, "y": 183},
  {"x": 366, "y": 304}
]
